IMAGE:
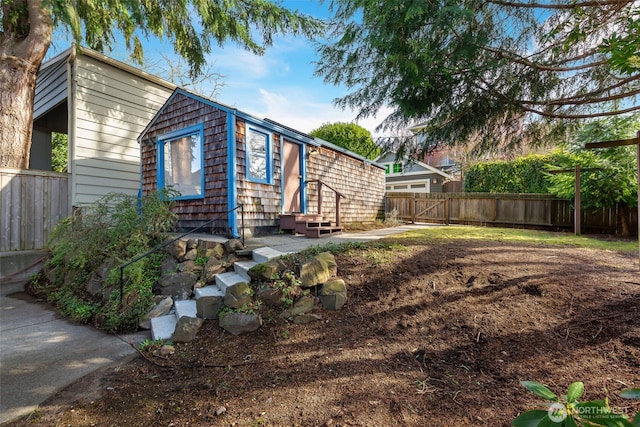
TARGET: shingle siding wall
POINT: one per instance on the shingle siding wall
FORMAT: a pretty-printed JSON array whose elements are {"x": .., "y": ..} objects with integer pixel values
[
  {"x": 361, "y": 183},
  {"x": 261, "y": 201},
  {"x": 179, "y": 114}
]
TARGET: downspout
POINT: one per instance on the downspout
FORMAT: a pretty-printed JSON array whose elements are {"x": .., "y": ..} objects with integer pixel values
[
  {"x": 71, "y": 126},
  {"x": 232, "y": 187}
]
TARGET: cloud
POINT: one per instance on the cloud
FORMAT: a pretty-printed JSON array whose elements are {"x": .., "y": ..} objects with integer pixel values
[{"x": 299, "y": 111}]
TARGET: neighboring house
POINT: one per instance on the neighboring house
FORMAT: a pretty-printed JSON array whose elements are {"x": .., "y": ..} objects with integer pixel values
[
  {"x": 102, "y": 105},
  {"x": 411, "y": 177},
  {"x": 444, "y": 158},
  {"x": 218, "y": 158}
]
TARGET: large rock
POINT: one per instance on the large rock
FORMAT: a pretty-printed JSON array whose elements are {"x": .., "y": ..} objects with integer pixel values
[
  {"x": 303, "y": 305},
  {"x": 190, "y": 265},
  {"x": 191, "y": 254},
  {"x": 233, "y": 245},
  {"x": 238, "y": 323},
  {"x": 207, "y": 307},
  {"x": 97, "y": 279},
  {"x": 333, "y": 294},
  {"x": 186, "y": 329},
  {"x": 329, "y": 261},
  {"x": 267, "y": 270},
  {"x": 169, "y": 265},
  {"x": 211, "y": 249},
  {"x": 178, "y": 249},
  {"x": 269, "y": 296},
  {"x": 238, "y": 295},
  {"x": 179, "y": 285},
  {"x": 302, "y": 319},
  {"x": 160, "y": 309},
  {"x": 318, "y": 270},
  {"x": 212, "y": 267}
]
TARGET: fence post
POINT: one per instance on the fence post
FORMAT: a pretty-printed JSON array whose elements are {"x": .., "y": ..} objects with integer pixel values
[
  {"x": 447, "y": 219},
  {"x": 412, "y": 208},
  {"x": 577, "y": 213},
  {"x": 495, "y": 209}
]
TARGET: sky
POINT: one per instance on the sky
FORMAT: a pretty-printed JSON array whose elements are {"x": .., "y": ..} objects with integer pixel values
[{"x": 279, "y": 85}]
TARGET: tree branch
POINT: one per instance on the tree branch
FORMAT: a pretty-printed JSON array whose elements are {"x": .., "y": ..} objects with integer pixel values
[
  {"x": 568, "y": 6},
  {"x": 581, "y": 116},
  {"x": 34, "y": 47}
]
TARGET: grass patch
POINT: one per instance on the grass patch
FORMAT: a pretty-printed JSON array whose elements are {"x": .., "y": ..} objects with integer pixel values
[{"x": 512, "y": 235}]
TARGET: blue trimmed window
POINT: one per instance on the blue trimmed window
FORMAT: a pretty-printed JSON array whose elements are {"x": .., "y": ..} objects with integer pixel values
[
  {"x": 180, "y": 162},
  {"x": 259, "y": 159}
]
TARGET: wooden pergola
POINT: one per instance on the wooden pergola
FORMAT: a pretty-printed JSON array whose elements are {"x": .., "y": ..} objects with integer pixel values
[{"x": 618, "y": 143}]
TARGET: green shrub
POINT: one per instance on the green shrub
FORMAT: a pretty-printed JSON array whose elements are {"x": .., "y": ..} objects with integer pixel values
[
  {"x": 568, "y": 411},
  {"x": 522, "y": 175},
  {"x": 117, "y": 228}
]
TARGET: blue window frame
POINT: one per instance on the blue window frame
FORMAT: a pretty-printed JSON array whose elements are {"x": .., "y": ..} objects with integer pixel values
[
  {"x": 259, "y": 158},
  {"x": 180, "y": 162}
]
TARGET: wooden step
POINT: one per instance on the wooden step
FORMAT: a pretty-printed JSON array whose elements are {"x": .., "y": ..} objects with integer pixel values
[
  {"x": 288, "y": 221},
  {"x": 318, "y": 232},
  {"x": 302, "y": 226}
]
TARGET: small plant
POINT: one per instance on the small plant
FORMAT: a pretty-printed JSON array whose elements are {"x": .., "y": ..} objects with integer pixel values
[
  {"x": 567, "y": 411},
  {"x": 252, "y": 307},
  {"x": 151, "y": 345},
  {"x": 201, "y": 261},
  {"x": 392, "y": 218},
  {"x": 289, "y": 286},
  {"x": 285, "y": 333}
]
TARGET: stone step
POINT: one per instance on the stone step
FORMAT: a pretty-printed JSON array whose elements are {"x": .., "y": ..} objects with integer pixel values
[
  {"x": 225, "y": 280},
  {"x": 266, "y": 254},
  {"x": 243, "y": 267},
  {"x": 163, "y": 327},
  {"x": 208, "y": 291},
  {"x": 185, "y": 308}
]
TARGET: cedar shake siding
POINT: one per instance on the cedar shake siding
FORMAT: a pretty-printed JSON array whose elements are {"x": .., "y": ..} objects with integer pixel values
[
  {"x": 181, "y": 113},
  {"x": 227, "y": 181},
  {"x": 361, "y": 182},
  {"x": 261, "y": 201}
]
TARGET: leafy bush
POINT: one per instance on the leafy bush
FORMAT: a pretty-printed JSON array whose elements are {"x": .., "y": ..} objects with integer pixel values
[
  {"x": 567, "y": 411},
  {"x": 115, "y": 229},
  {"x": 522, "y": 175}
]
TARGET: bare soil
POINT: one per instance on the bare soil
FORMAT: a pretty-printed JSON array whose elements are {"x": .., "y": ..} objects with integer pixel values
[{"x": 437, "y": 335}]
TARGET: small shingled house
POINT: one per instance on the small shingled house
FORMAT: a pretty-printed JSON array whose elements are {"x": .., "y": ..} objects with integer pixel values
[{"x": 220, "y": 158}]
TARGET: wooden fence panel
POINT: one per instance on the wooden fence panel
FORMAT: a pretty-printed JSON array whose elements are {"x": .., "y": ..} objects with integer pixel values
[
  {"x": 535, "y": 210},
  {"x": 31, "y": 204}
]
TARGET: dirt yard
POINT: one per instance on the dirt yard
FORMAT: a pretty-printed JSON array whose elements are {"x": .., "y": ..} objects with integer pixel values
[{"x": 435, "y": 335}]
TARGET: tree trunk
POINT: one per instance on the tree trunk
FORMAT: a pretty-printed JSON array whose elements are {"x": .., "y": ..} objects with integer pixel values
[
  {"x": 18, "y": 82},
  {"x": 624, "y": 213},
  {"x": 24, "y": 41}
]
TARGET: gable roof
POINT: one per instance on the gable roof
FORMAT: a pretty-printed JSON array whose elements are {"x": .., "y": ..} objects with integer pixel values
[
  {"x": 72, "y": 52},
  {"x": 266, "y": 123},
  {"x": 389, "y": 157}
]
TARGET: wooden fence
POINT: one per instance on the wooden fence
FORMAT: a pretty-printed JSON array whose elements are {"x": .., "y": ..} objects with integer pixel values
[
  {"x": 31, "y": 204},
  {"x": 523, "y": 210}
]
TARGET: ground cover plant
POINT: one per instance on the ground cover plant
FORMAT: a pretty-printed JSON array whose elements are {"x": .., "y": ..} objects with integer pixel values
[{"x": 440, "y": 328}]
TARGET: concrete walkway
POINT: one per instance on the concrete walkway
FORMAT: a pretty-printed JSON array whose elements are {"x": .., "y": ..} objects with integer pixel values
[{"x": 41, "y": 352}]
